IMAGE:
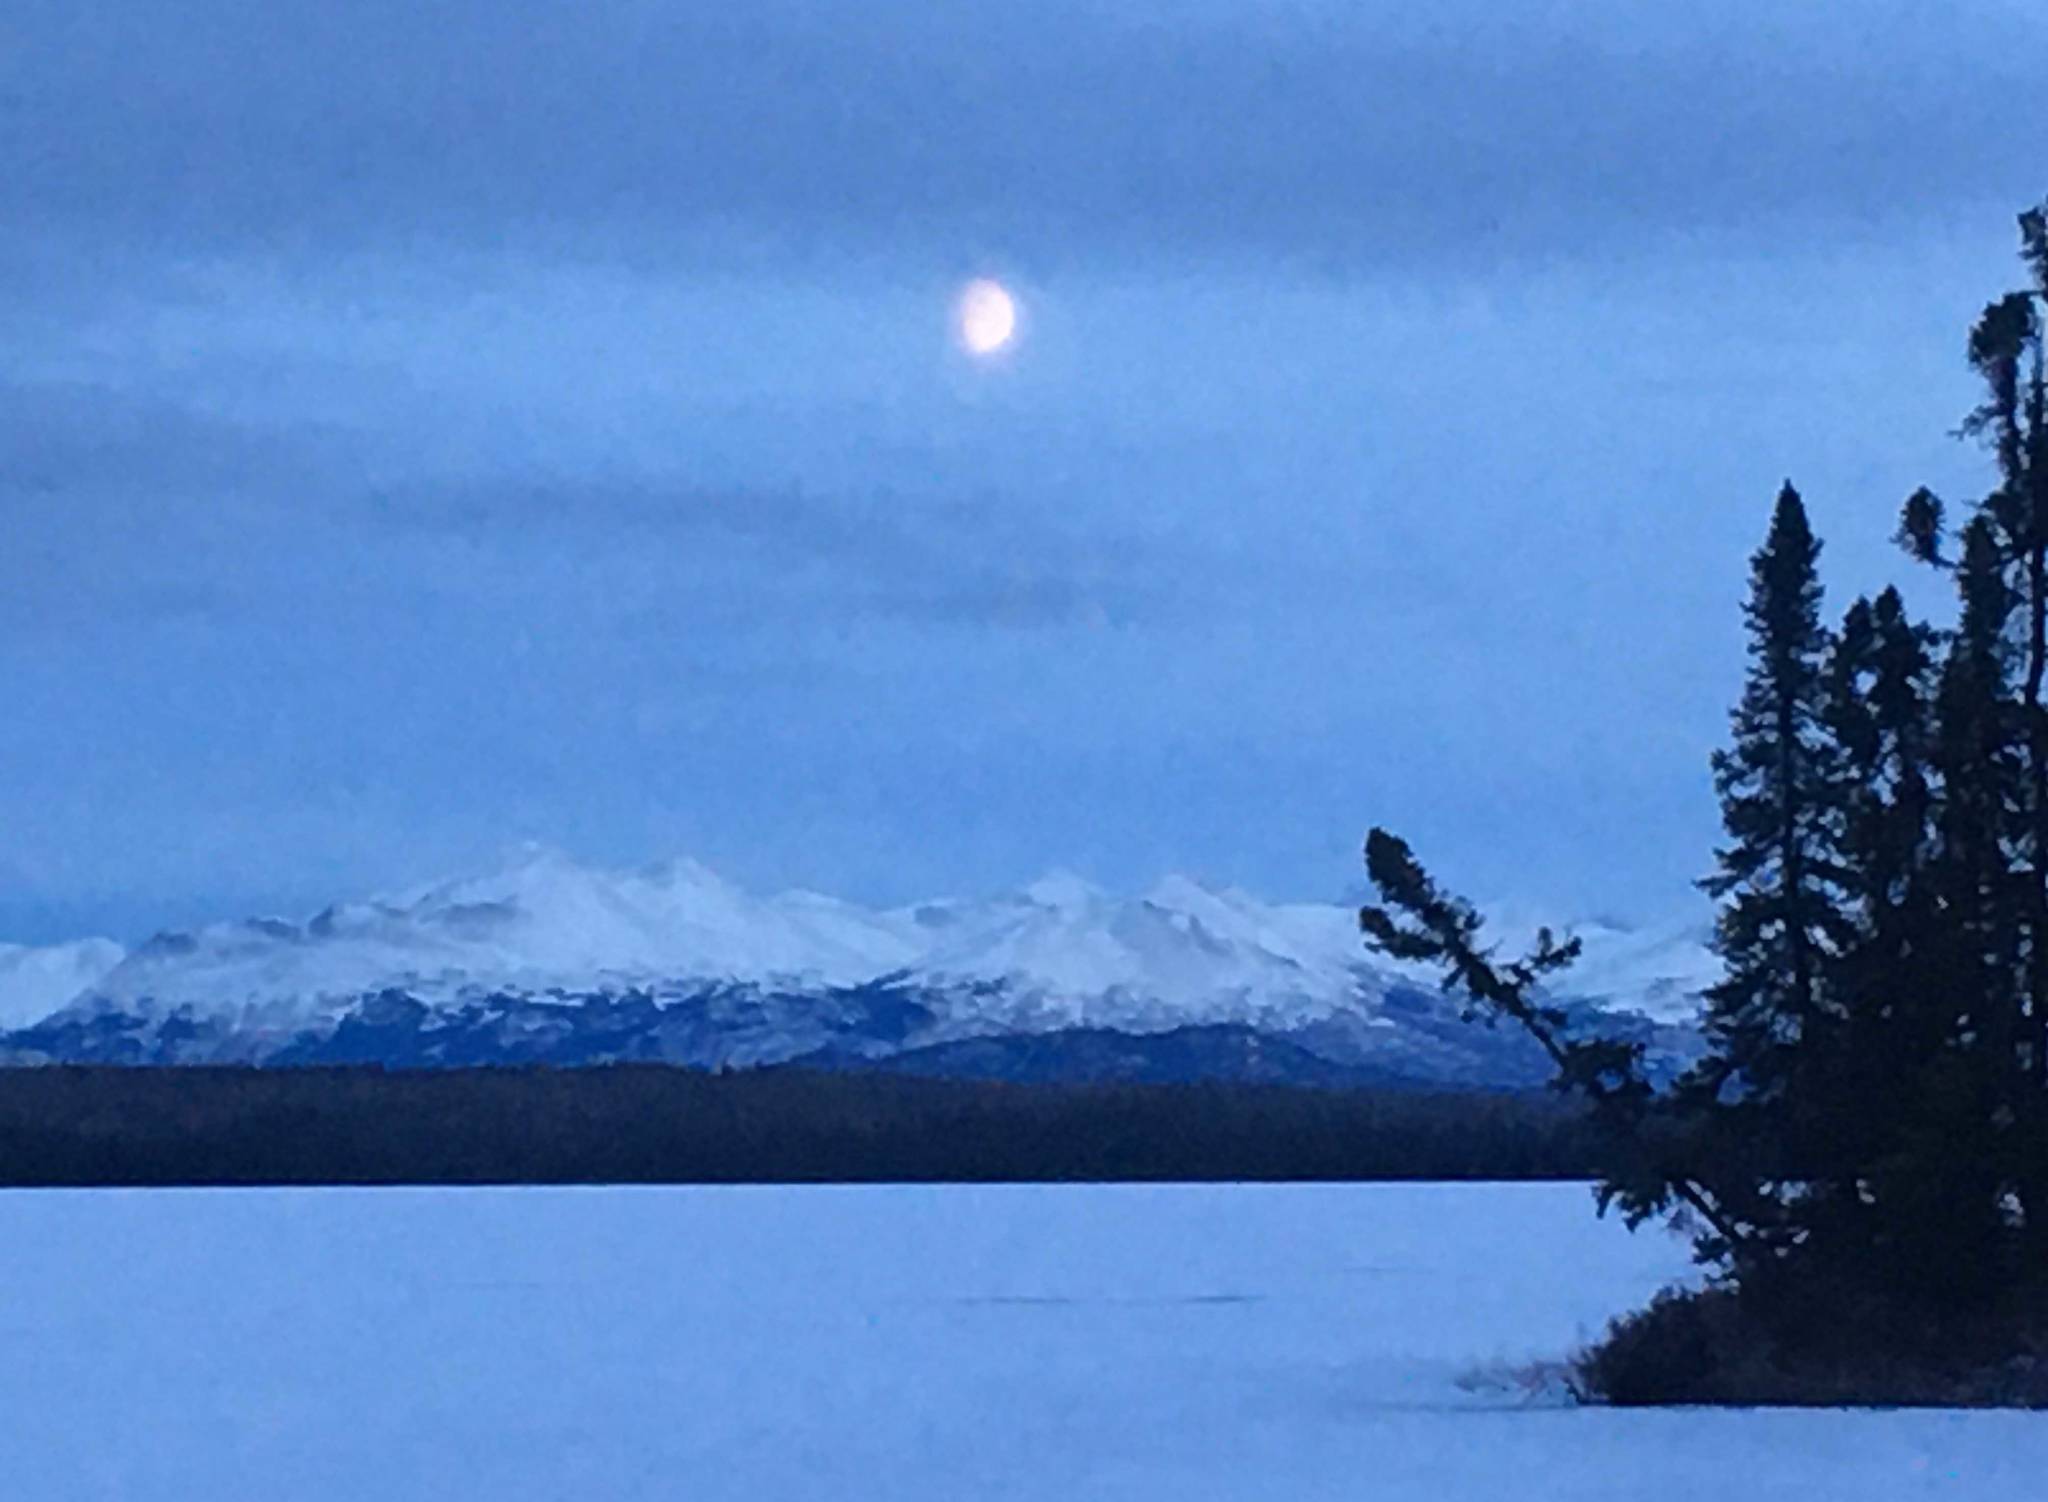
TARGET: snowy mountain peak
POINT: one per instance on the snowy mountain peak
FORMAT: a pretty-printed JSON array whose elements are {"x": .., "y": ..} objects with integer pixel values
[
  {"x": 539, "y": 880},
  {"x": 1064, "y": 891},
  {"x": 540, "y": 923},
  {"x": 35, "y": 981},
  {"x": 1061, "y": 951}
]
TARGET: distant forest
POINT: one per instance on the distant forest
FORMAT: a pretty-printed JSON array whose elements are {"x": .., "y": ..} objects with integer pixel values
[{"x": 77, "y": 1126}]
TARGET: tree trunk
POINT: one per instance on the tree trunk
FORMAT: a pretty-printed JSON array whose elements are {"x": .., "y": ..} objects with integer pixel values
[
  {"x": 2037, "y": 771},
  {"x": 2031, "y": 457},
  {"x": 1801, "y": 960}
]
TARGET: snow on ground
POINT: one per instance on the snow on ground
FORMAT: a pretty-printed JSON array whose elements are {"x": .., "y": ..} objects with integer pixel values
[{"x": 1242, "y": 1342}]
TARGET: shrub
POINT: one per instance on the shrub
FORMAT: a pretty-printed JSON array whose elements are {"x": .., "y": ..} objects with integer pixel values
[{"x": 1815, "y": 1347}]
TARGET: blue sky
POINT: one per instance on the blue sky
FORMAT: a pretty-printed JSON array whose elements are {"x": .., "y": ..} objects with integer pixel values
[{"x": 431, "y": 426}]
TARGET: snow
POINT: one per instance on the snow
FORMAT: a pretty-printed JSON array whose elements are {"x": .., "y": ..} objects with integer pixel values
[
  {"x": 542, "y": 922},
  {"x": 1058, "y": 952},
  {"x": 35, "y": 981},
  {"x": 1658, "y": 970},
  {"x": 1183, "y": 952},
  {"x": 901, "y": 1343}
]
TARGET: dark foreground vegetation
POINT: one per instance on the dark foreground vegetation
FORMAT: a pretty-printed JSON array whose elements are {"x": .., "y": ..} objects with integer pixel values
[
  {"x": 1822, "y": 1347},
  {"x": 1862, "y": 1153},
  {"x": 637, "y": 1123}
]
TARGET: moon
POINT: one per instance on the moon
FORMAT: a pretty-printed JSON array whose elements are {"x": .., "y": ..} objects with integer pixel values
[{"x": 988, "y": 317}]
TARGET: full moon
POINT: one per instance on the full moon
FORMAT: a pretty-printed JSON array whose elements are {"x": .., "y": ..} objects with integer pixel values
[{"x": 988, "y": 317}]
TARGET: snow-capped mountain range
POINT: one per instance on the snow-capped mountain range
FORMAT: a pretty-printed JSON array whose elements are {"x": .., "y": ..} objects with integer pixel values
[{"x": 674, "y": 962}]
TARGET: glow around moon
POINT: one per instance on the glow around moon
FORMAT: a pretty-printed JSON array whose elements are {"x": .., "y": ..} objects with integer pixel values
[{"x": 987, "y": 317}]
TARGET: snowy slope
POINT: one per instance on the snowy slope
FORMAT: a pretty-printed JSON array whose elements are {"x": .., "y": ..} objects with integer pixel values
[
  {"x": 1059, "y": 951},
  {"x": 1068, "y": 954},
  {"x": 511, "y": 959},
  {"x": 542, "y": 923},
  {"x": 1658, "y": 970},
  {"x": 35, "y": 981}
]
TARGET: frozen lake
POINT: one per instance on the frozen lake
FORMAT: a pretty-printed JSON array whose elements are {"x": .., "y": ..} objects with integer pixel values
[{"x": 1131, "y": 1342}]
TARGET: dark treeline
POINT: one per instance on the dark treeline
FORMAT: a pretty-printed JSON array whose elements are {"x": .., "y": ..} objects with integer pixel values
[{"x": 658, "y": 1124}]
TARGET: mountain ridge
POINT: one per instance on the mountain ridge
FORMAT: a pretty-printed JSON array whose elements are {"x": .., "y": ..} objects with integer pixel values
[{"x": 491, "y": 967}]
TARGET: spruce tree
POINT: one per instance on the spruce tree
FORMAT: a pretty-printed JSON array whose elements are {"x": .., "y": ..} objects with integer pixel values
[
  {"x": 1643, "y": 1170},
  {"x": 1980, "y": 919},
  {"x": 1879, "y": 719},
  {"x": 1723, "y": 1149},
  {"x": 1899, "y": 1107},
  {"x": 1778, "y": 878},
  {"x": 1994, "y": 731},
  {"x": 1976, "y": 920}
]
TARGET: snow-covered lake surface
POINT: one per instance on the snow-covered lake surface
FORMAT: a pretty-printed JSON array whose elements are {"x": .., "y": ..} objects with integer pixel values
[{"x": 1264, "y": 1342}]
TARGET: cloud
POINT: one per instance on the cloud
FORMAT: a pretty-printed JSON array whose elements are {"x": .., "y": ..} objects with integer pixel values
[
  {"x": 123, "y": 510},
  {"x": 785, "y": 558},
  {"x": 1324, "y": 134},
  {"x": 124, "y": 506},
  {"x": 424, "y": 422}
]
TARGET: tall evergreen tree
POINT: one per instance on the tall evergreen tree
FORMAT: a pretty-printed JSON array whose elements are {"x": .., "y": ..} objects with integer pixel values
[
  {"x": 1994, "y": 733},
  {"x": 1878, "y": 716},
  {"x": 1778, "y": 876},
  {"x": 1908, "y": 1189},
  {"x": 1979, "y": 765}
]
